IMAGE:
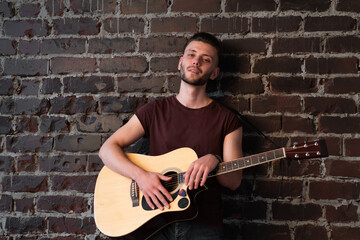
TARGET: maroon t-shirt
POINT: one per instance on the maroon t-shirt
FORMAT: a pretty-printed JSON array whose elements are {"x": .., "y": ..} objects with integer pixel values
[{"x": 169, "y": 125}]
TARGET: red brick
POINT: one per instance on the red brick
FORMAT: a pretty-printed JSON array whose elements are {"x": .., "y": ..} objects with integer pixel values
[
  {"x": 27, "y": 163},
  {"x": 29, "y": 10},
  {"x": 331, "y": 65},
  {"x": 29, "y": 88},
  {"x": 340, "y": 125},
  {"x": 31, "y": 47},
  {"x": 28, "y": 105},
  {"x": 72, "y": 105},
  {"x": 64, "y": 65},
  {"x": 278, "y": 64},
  {"x": 276, "y": 24},
  {"x": 352, "y": 147},
  {"x": 29, "y": 143},
  {"x": 92, "y": 84},
  {"x": 305, "y": 5},
  {"x": 225, "y": 25},
  {"x": 162, "y": 44},
  {"x": 296, "y": 45},
  {"x": 266, "y": 124},
  {"x": 271, "y": 189},
  {"x": 236, "y": 85},
  {"x": 62, "y": 46},
  {"x": 164, "y": 64},
  {"x": 26, "y": 67},
  {"x": 62, "y": 204},
  {"x": 245, "y": 210},
  {"x": 54, "y": 124},
  {"x": 84, "y": 184},
  {"x": 343, "y": 213},
  {"x": 297, "y": 124},
  {"x": 123, "y": 25},
  {"x": 345, "y": 232},
  {"x": 316, "y": 105},
  {"x": 292, "y": 84},
  {"x": 343, "y": 44},
  {"x": 98, "y": 123},
  {"x": 141, "y": 84},
  {"x": 264, "y": 104},
  {"x": 250, "y": 6},
  {"x": 348, "y": 6},
  {"x": 72, "y": 225},
  {"x": 92, "y": 6},
  {"x": 55, "y": 8},
  {"x": 114, "y": 45},
  {"x": 343, "y": 168},
  {"x": 25, "y": 183},
  {"x": 174, "y": 84},
  {"x": 329, "y": 23},
  {"x": 332, "y": 190},
  {"x": 342, "y": 85},
  {"x": 77, "y": 143},
  {"x": 237, "y": 103},
  {"x": 124, "y": 64},
  {"x": 51, "y": 85},
  {"x": 29, "y": 28},
  {"x": 63, "y": 163},
  {"x": 246, "y": 45},
  {"x": 201, "y": 6},
  {"x": 7, "y": 47},
  {"x": 299, "y": 168},
  {"x": 26, "y": 124},
  {"x": 310, "y": 232},
  {"x": 95, "y": 164},
  {"x": 143, "y": 6},
  {"x": 178, "y": 24},
  {"x": 81, "y": 26},
  {"x": 291, "y": 212},
  {"x": 25, "y": 205},
  {"x": 260, "y": 231},
  {"x": 235, "y": 64}
]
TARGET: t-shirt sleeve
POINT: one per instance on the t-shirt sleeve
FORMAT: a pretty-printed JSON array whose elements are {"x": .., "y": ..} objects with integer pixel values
[
  {"x": 231, "y": 124},
  {"x": 145, "y": 114}
]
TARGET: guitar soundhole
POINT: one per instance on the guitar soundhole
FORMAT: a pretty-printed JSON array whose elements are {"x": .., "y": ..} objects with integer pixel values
[{"x": 173, "y": 183}]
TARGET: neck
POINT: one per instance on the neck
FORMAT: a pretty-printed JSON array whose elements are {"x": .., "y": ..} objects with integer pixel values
[{"x": 193, "y": 96}]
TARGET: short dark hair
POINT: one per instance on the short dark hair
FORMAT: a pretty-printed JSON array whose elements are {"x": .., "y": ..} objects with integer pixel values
[{"x": 206, "y": 38}]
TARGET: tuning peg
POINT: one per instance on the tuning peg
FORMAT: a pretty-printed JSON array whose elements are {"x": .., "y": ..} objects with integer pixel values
[{"x": 295, "y": 144}]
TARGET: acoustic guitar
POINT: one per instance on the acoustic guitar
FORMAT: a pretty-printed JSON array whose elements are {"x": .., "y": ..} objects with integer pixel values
[{"x": 120, "y": 209}]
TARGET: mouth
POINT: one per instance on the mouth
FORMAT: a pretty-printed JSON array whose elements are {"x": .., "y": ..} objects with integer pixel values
[{"x": 194, "y": 70}]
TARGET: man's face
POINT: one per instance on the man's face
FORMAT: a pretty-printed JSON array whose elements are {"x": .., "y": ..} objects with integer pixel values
[{"x": 198, "y": 64}]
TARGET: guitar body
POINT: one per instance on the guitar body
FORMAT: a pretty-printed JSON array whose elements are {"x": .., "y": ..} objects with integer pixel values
[{"x": 114, "y": 210}]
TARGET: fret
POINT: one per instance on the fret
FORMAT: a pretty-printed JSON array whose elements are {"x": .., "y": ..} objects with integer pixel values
[{"x": 270, "y": 155}]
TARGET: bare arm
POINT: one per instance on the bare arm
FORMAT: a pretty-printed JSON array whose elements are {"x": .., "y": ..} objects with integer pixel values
[{"x": 113, "y": 156}]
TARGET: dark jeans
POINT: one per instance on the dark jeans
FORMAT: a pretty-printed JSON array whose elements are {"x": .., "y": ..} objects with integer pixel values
[{"x": 188, "y": 231}]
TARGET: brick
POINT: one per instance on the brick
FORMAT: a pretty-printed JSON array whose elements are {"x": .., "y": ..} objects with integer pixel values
[
  {"x": 124, "y": 64},
  {"x": 250, "y": 6},
  {"x": 95, "y": 164},
  {"x": 307, "y": 5},
  {"x": 201, "y": 6},
  {"x": 77, "y": 143},
  {"x": 72, "y": 225},
  {"x": 51, "y": 85},
  {"x": 260, "y": 231},
  {"x": 5, "y": 203},
  {"x": 162, "y": 44},
  {"x": 64, "y": 65},
  {"x": 264, "y": 104},
  {"x": 92, "y": 6},
  {"x": 25, "y": 183},
  {"x": 5, "y": 125},
  {"x": 92, "y": 84},
  {"x": 29, "y": 88},
  {"x": 292, "y": 85},
  {"x": 26, "y": 225},
  {"x": 29, "y": 28},
  {"x": 81, "y": 26},
  {"x": 55, "y": 8},
  {"x": 29, "y": 10},
  {"x": 237, "y": 85},
  {"x": 235, "y": 64},
  {"x": 27, "y": 163},
  {"x": 62, "y": 46},
  {"x": 348, "y": 6},
  {"x": 276, "y": 24},
  {"x": 296, "y": 45},
  {"x": 164, "y": 64},
  {"x": 141, "y": 84},
  {"x": 6, "y": 163},
  {"x": 297, "y": 168},
  {"x": 266, "y": 124},
  {"x": 174, "y": 84},
  {"x": 310, "y": 232},
  {"x": 120, "y": 105},
  {"x": 98, "y": 123},
  {"x": 7, "y": 9},
  {"x": 31, "y": 47},
  {"x": 271, "y": 189},
  {"x": 72, "y": 105},
  {"x": 340, "y": 125},
  {"x": 29, "y": 105},
  {"x": 342, "y": 85},
  {"x": 316, "y": 105},
  {"x": 26, "y": 67},
  {"x": 352, "y": 147},
  {"x": 63, "y": 163},
  {"x": 114, "y": 45},
  {"x": 342, "y": 168},
  {"x": 332, "y": 190},
  {"x": 297, "y": 124},
  {"x": 277, "y": 64},
  {"x": 329, "y": 23},
  {"x": 343, "y": 213},
  {"x": 331, "y": 65},
  {"x": 29, "y": 144},
  {"x": 25, "y": 205},
  {"x": 343, "y": 44},
  {"x": 246, "y": 45},
  {"x": 84, "y": 184},
  {"x": 54, "y": 124},
  {"x": 26, "y": 124},
  {"x": 345, "y": 232},
  {"x": 7, "y": 86},
  {"x": 143, "y": 6},
  {"x": 225, "y": 25},
  {"x": 7, "y": 47},
  {"x": 171, "y": 24},
  {"x": 237, "y": 103},
  {"x": 62, "y": 204},
  {"x": 124, "y": 25},
  {"x": 245, "y": 210},
  {"x": 291, "y": 212}
]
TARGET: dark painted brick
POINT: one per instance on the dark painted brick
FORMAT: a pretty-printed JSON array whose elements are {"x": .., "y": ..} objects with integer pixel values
[
  {"x": 293, "y": 85},
  {"x": 329, "y": 23},
  {"x": 331, "y": 65},
  {"x": 29, "y": 10},
  {"x": 62, "y": 204},
  {"x": 6, "y": 163},
  {"x": 27, "y": 163},
  {"x": 202, "y": 6},
  {"x": 246, "y": 45},
  {"x": 77, "y": 143},
  {"x": 236, "y": 85},
  {"x": 124, "y": 64},
  {"x": 63, "y": 163},
  {"x": 25, "y": 225},
  {"x": 278, "y": 64},
  {"x": 29, "y": 47},
  {"x": 72, "y": 225},
  {"x": 24, "y": 106},
  {"x": 26, "y": 124},
  {"x": 7, "y": 47},
  {"x": 26, "y": 67},
  {"x": 5, "y": 125},
  {"x": 144, "y": 7},
  {"x": 25, "y": 205},
  {"x": 82, "y": 26},
  {"x": 164, "y": 64},
  {"x": 29, "y": 87},
  {"x": 25, "y": 183},
  {"x": 7, "y": 9},
  {"x": 276, "y": 24},
  {"x": 7, "y": 86},
  {"x": 225, "y": 25},
  {"x": 84, "y": 184},
  {"x": 29, "y": 144},
  {"x": 55, "y": 8},
  {"x": 120, "y": 105},
  {"x": 72, "y": 105},
  {"x": 62, "y": 46},
  {"x": 94, "y": 163},
  {"x": 29, "y": 28},
  {"x": 92, "y": 84},
  {"x": 5, "y": 203},
  {"x": 98, "y": 123},
  {"x": 93, "y": 6},
  {"x": 124, "y": 25},
  {"x": 250, "y": 6},
  {"x": 162, "y": 44},
  {"x": 50, "y": 86},
  {"x": 114, "y": 45},
  {"x": 64, "y": 65},
  {"x": 141, "y": 84},
  {"x": 305, "y": 5},
  {"x": 54, "y": 124},
  {"x": 348, "y": 6},
  {"x": 178, "y": 24}
]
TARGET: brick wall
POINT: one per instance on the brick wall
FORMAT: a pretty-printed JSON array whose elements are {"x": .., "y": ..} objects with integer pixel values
[{"x": 73, "y": 71}]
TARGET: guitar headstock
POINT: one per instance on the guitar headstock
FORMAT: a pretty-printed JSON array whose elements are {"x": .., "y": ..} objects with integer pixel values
[{"x": 315, "y": 149}]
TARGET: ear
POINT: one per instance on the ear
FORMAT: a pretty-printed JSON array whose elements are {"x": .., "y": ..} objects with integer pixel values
[
  {"x": 215, "y": 73},
  {"x": 179, "y": 65}
]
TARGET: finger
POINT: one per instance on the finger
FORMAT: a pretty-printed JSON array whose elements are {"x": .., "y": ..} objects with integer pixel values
[
  {"x": 149, "y": 202},
  {"x": 198, "y": 179},
  {"x": 163, "y": 201},
  {"x": 204, "y": 177},
  {"x": 155, "y": 200}
]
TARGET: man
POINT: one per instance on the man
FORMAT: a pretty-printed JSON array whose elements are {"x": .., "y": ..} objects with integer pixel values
[{"x": 189, "y": 119}]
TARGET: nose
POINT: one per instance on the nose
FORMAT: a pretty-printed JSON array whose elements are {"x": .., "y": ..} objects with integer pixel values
[{"x": 196, "y": 61}]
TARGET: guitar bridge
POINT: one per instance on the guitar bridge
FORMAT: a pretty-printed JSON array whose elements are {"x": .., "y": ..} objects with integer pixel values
[{"x": 134, "y": 193}]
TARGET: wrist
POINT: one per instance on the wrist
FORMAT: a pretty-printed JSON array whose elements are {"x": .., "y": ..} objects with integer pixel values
[{"x": 217, "y": 157}]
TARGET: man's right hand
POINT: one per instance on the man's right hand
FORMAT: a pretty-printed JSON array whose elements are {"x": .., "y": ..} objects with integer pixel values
[{"x": 153, "y": 191}]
